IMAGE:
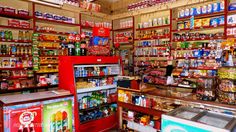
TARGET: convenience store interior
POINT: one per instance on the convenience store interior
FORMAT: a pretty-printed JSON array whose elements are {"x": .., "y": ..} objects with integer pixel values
[{"x": 118, "y": 65}]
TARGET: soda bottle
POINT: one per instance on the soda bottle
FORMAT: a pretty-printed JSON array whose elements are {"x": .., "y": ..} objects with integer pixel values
[
  {"x": 10, "y": 35},
  {"x": 52, "y": 123},
  {"x": 58, "y": 119},
  {"x": 2, "y": 34},
  {"x": 71, "y": 49},
  {"x": 64, "y": 121},
  {"x": 20, "y": 128},
  {"x": 77, "y": 48},
  {"x": 83, "y": 49},
  {"x": 31, "y": 128},
  {"x": 26, "y": 128},
  {"x": 6, "y": 35}
]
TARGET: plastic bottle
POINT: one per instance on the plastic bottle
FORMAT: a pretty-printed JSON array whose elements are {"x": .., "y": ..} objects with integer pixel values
[
  {"x": 83, "y": 50},
  {"x": 77, "y": 48}
]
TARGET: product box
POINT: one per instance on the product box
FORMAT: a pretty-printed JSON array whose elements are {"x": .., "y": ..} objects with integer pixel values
[
  {"x": 231, "y": 19},
  {"x": 23, "y": 12},
  {"x": 222, "y": 6},
  {"x": 232, "y": 6},
  {"x": 204, "y": 9},
  {"x": 181, "y": 13},
  {"x": 216, "y": 7},
  {"x": 24, "y": 24},
  {"x": 57, "y": 17},
  {"x": 186, "y": 12},
  {"x": 209, "y": 8},
  {"x": 199, "y": 10},
  {"x": 48, "y": 16},
  {"x": 198, "y": 23},
  {"x": 9, "y": 10},
  {"x": 221, "y": 20},
  {"x": 214, "y": 21},
  {"x": 38, "y": 14},
  {"x": 58, "y": 116},
  {"x": 193, "y": 11},
  {"x": 206, "y": 22},
  {"x": 13, "y": 23},
  {"x": 26, "y": 119}
]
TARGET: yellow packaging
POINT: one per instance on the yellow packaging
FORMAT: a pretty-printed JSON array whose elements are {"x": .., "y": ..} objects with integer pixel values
[
  {"x": 198, "y": 23},
  {"x": 206, "y": 22}
]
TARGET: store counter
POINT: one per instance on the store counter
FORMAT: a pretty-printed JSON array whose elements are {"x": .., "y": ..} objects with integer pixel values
[{"x": 41, "y": 111}]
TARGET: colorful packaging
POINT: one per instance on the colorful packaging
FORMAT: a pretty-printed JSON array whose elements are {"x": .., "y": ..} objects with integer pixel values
[
  {"x": 222, "y": 6},
  {"x": 199, "y": 10},
  {"x": 186, "y": 12},
  {"x": 214, "y": 21},
  {"x": 181, "y": 13},
  {"x": 229, "y": 31},
  {"x": 232, "y": 7},
  {"x": 14, "y": 23},
  {"x": 193, "y": 11},
  {"x": 221, "y": 20},
  {"x": 216, "y": 7},
  {"x": 209, "y": 8},
  {"x": 187, "y": 24},
  {"x": 204, "y": 9},
  {"x": 24, "y": 24},
  {"x": 206, "y": 22},
  {"x": 231, "y": 19},
  {"x": 180, "y": 25},
  {"x": 198, "y": 23}
]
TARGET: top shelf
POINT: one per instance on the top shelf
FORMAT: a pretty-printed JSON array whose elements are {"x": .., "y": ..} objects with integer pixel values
[
  {"x": 148, "y": 28},
  {"x": 56, "y": 22},
  {"x": 15, "y": 16},
  {"x": 123, "y": 29},
  {"x": 201, "y": 16}
]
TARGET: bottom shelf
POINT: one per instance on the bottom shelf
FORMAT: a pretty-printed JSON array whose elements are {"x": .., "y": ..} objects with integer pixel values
[
  {"x": 140, "y": 128},
  {"x": 101, "y": 124}
]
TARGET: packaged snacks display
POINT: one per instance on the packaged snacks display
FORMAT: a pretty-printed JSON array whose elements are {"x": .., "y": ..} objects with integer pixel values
[
  {"x": 227, "y": 86},
  {"x": 206, "y": 22},
  {"x": 227, "y": 73}
]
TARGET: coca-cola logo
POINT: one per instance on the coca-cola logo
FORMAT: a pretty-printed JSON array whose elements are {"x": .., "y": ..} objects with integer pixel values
[
  {"x": 26, "y": 117},
  {"x": 101, "y": 31}
]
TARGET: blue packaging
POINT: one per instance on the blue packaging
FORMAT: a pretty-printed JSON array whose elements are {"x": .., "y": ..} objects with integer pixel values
[
  {"x": 214, "y": 21},
  {"x": 232, "y": 6},
  {"x": 222, "y": 6},
  {"x": 193, "y": 11},
  {"x": 181, "y": 13},
  {"x": 204, "y": 9},
  {"x": 216, "y": 7},
  {"x": 199, "y": 10},
  {"x": 221, "y": 20},
  {"x": 209, "y": 8},
  {"x": 186, "y": 12}
]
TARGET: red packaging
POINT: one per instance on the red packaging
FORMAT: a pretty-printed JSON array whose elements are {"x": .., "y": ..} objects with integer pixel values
[
  {"x": 13, "y": 23},
  {"x": 1, "y": 8},
  {"x": 23, "y": 12},
  {"x": 24, "y": 24},
  {"x": 25, "y": 118},
  {"x": 9, "y": 10}
]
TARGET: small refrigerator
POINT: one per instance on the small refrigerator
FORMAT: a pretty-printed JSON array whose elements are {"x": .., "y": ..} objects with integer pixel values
[{"x": 185, "y": 119}]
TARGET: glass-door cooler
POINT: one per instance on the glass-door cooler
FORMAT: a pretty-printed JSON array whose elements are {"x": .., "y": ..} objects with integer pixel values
[{"x": 185, "y": 119}]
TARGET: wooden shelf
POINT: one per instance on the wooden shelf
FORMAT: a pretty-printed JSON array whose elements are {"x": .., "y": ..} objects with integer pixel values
[
  {"x": 154, "y": 38},
  {"x": 123, "y": 29},
  {"x": 16, "y": 68},
  {"x": 52, "y": 32},
  {"x": 15, "y": 16},
  {"x": 56, "y": 22},
  {"x": 149, "y": 28},
  {"x": 3, "y": 91},
  {"x": 16, "y": 41},
  {"x": 145, "y": 110},
  {"x": 199, "y": 28},
  {"x": 201, "y": 16},
  {"x": 198, "y": 39},
  {"x": 23, "y": 56},
  {"x": 151, "y": 46},
  {"x": 16, "y": 28},
  {"x": 231, "y": 12}
]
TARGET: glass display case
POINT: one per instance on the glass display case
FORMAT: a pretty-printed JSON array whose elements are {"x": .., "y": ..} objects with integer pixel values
[{"x": 93, "y": 81}]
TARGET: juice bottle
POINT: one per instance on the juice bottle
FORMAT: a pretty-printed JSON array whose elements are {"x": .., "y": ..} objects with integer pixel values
[
  {"x": 6, "y": 35},
  {"x": 53, "y": 123},
  {"x": 58, "y": 119},
  {"x": 10, "y": 35},
  {"x": 64, "y": 121},
  {"x": 20, "y": 35}
]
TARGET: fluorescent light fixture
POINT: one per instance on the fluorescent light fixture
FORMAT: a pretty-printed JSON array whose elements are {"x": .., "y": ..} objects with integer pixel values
[{"x": 54, "y": 3}]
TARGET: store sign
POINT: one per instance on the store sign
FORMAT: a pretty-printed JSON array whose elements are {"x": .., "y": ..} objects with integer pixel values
[{"x": 101, "y": 32}]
